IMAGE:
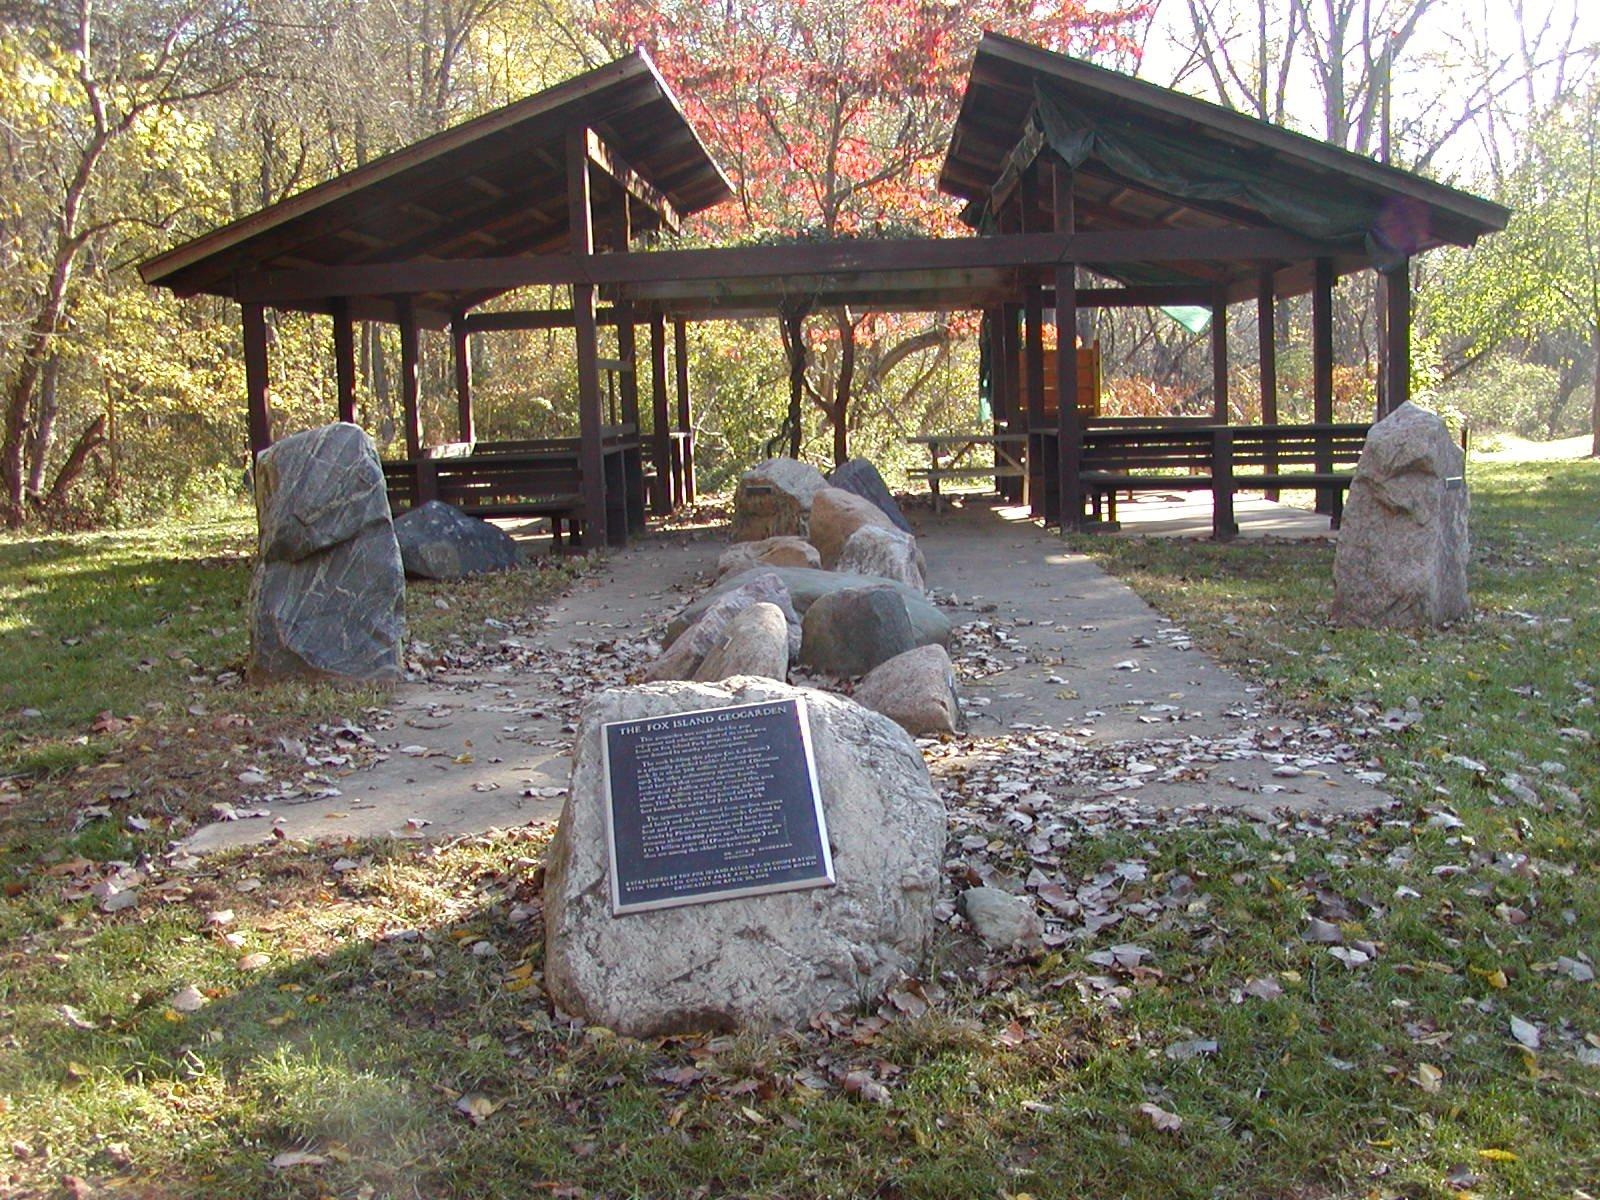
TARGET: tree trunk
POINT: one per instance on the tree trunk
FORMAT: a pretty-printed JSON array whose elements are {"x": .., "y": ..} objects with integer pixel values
[
  {"x": 44, "y": 425},
  {"x": 90, "y": 440},
  {"x": 842, "y": 387},
  {"x": 1594, "y": 405}
]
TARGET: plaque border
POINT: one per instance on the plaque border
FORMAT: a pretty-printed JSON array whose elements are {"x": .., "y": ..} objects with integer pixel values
[{"x": 614, "y": 883}]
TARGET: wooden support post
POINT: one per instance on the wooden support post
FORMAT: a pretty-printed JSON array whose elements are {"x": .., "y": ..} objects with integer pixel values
[
  {"x": 257, "y": 417},
  {"x": 680, "y": 357},
  {"x": 1069, "y": 424},
  {"x": 664, "y": 492},
  {"x": 1397, "y": 289},
  {"x": 1016, "y": 410},
  {"x": 1219, "y": 359},
  {"x": 1267, "y": 337},
  {"x": 591, "y": 453},
  {"x": 628, "y": 386},
  {"x": 1224, "y": 527},
  {"x": 1033, "y": 356},
  {"x": 410, "y": 376},
  {"x": 1000, "y": 372},
  {"x": 344, "y": 359},
  {"x": 1322, "y": 370},
  {"x": 461, "y": 343}
]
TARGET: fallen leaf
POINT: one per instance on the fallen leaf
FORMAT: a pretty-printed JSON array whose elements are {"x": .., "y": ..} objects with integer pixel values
[
  {"x": 477, "y": 1107},
  {"x": 297, "y": 1158},
  {"x": 1429, "y": 1078},
  {"x": 188, "y": 999},
  {"x": 1525, "y": 1032},
  {"x": 1161, "y": 1119}
]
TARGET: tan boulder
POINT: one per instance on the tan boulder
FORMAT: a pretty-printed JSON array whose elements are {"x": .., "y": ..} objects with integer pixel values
[
  {"x": 835, "y": 515},
  {"x": 755, "y": 642},
  {"x": 916, "y": 690},
  {"x": 774, "y": 498},
  {"x": 785, "y": 550}
]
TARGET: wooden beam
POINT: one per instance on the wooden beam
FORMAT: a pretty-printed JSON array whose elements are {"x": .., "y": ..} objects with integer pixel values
[
  {"x": 258, "y": 417},
  {"x": 344, "y": 359},
  {"x": 680, "y": 361},
  {"x": 663, "y": 496},
  {"x": 410, "y": 377},
  {"x": 531, "y": 318},
  {"x": 1219, "y": 360},
  {"x": 580, "y": 241},
  {"x": 1397, "y": 291},
  {"x": 602, "y": 155},
  {"x": 461, "y": 345},
  {"x": 628, "y": 387},
  {"x": 1038, "y": 251}
]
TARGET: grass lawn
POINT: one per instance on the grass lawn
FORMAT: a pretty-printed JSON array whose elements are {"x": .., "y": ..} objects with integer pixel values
[{"x": 366, "y": 1020}]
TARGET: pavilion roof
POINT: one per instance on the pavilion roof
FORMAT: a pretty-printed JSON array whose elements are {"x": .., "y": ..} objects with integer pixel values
[
  {"x": 490, "y": 187},
  {"x": 1147, "y": 157}
]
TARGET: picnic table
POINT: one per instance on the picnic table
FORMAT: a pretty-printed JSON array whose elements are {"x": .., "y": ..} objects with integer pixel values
[{"x": 950, "y": 457}]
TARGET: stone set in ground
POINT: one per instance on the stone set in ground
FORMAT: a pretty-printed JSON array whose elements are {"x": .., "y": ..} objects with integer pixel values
[
  {"x": 757, "y": 961},
  {"x": 327, "y": 595},
  {"x": 1402, "y": 553},
  {"x": 842, "y": 559},
  {"x": 778, "y": 958}
]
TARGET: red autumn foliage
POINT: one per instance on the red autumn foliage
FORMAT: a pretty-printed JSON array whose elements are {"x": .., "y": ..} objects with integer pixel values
[{"x": 831, "y": 119}]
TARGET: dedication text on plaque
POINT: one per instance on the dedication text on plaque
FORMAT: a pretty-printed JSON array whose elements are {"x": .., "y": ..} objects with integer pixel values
[{"x": 713, "y": 804}]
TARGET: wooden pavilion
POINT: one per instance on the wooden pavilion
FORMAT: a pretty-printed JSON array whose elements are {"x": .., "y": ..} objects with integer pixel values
[{"x": 1084, "y": 187}]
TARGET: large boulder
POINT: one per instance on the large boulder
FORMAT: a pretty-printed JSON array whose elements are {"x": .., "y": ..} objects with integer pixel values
[
  {"x": 805, "y": 586},
  {"x": 774, "y": 498},
  {"x": 786, "y": 550},
  {"x": 757, "y": 961},
  {"x": 916, "y": 690},
  {"x": 327, "y": 597},
  {"x": 1402, "y": 553},
  {"x": 849, "y": 632},
  {"x": 439, "y": 541},
  {"x": 885, "y": 553},
  {"x": 688, "y": 645},
  {"x": 835, "y": 515},
  {"x": 861, "y": 477},
  {"x": 755, "y": 642}
]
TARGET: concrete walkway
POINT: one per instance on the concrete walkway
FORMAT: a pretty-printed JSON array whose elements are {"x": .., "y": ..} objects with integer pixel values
[{"x": 1046, "y": 643}]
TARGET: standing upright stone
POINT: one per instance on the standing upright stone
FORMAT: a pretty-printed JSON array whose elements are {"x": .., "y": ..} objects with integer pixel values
[
  {"x": 1402, "y": 554},
  {"x": 861, "y": 477},
  {"x": 327, "y": 599},
  {"x": 774, "y": 498},
  {"x": 835, "y": 515}
]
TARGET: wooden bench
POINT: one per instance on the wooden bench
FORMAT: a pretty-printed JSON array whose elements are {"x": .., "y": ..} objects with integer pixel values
[
  {"x": 1220, "y": 459},
  {"x": 948, "y": 454}
]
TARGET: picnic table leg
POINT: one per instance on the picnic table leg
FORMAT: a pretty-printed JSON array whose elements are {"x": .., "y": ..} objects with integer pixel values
[{"x": 1223, "y": 526}]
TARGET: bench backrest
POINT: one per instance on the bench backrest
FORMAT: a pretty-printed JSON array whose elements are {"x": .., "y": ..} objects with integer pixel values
[{"x": 1254, "y": 449}]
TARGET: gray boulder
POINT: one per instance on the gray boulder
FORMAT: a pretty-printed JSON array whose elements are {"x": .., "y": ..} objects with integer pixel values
[
  {"x": 327, "y": 596},
  {"x": 773, "y": 498},
  {"x": 755, "y": 642},
  {"x": 850, "y": 632},
  {"x": 688, "y": 645},
  {"x": 786, "y": 550},
  {"x": 1003, "y": 921},
  {"x": 885, "y": 553},
  {"x": 916, "y": 690},
  {"x": 439, "y": 541},
  {"x": 1401, "y": 558},
  {"x": 805, "y": 586},
  {"x": 861, "y": 477},
  {"x": 757, "y": 961}
]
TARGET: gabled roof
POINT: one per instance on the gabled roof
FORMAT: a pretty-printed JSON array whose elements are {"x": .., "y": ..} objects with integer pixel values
[
  {"x": 1149, "y": 157},
  {"x": 492, "y": 186}
]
